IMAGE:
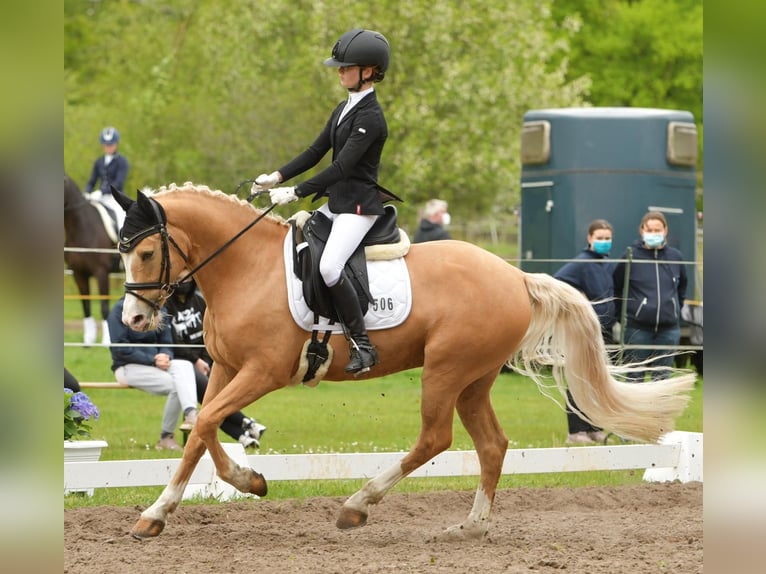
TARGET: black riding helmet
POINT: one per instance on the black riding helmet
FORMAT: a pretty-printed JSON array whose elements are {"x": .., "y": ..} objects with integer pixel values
[{"x": 364, "y": 48}]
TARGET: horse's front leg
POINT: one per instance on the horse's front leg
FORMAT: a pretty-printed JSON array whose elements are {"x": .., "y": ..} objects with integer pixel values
[
  {"x": 153, "y": 519},
  {"x": 220, "y": 401}
]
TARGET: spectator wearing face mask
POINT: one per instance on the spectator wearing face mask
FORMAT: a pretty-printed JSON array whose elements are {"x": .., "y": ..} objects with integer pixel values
[
  {"x": 435, "y": 219},
  {"x": 656, "y": 293},
  {"x": 591, "y": 274}
]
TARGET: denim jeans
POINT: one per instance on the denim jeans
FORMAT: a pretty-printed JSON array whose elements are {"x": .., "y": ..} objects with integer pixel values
[{"x": 664, "y": 336}]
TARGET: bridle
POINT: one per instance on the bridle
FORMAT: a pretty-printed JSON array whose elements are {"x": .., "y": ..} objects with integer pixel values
[{"x": 163, "y": 284}]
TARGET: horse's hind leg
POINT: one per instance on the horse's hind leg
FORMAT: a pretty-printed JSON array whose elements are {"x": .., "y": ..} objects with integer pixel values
[
  {"x": 479, "y": 419},
  {"x": 436, "y": 411},
  {"x": 82, "y": 280},
  {"x": 102, "y": 277}
]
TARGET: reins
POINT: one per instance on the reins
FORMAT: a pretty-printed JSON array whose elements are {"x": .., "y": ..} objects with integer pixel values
[
  {"x": 222, "y": 247},
  {"x": 164, "y": 284}
]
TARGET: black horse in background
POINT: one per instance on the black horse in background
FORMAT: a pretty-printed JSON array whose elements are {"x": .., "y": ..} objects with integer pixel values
[{"x": 84, "y": 227}]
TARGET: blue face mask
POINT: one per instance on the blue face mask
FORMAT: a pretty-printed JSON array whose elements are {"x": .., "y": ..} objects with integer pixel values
[
  {"x": 653, "y": 240},
  {"x": 602, "y": 246}
]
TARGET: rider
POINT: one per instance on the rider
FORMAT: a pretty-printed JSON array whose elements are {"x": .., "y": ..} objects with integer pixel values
[
  {"x": 110, "y": 169},
  {"x": 356, "y": 132}
]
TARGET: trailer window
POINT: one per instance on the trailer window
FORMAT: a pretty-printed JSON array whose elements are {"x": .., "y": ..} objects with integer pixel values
[
  {"x": 682, "y": 143},
  {"x": 535, "y": 142}
]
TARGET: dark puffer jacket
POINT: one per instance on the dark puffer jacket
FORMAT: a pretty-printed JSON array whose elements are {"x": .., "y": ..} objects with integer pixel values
[
  {"x": 595, "y": 281},
  {"x": 429, "y": 231},
  {"x": 656, "y": 290}
]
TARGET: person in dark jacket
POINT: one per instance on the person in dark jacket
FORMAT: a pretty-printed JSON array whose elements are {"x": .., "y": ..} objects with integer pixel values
[
  {"x": 154, "y": 369},
  {"x": 356, "y": 132},
  {"x": 656, "y": 293},
  {"x": 110, "y": 169},
  {"x": 435, "y": 219},
  {"x": 186, "y": 310},
  {"x": 591, "y": 274}
]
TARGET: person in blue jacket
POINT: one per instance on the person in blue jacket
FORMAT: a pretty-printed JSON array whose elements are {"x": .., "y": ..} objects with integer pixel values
[
  {"x": 656, "y": 293},
  {"x": 109, "y": 169},
  {"x": 152, "y": 367},
  {"x": 591, "y": 274}
]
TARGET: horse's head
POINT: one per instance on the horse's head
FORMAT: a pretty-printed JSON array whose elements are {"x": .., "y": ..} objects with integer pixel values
[{"x": 148, "y": 259}]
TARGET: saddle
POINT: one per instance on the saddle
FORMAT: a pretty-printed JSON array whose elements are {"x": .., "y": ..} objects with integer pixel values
[{"x": 308, "y": 246}]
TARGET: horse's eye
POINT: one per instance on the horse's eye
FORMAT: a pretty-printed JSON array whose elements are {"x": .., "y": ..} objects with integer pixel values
[{"x": 146, "y": 255}]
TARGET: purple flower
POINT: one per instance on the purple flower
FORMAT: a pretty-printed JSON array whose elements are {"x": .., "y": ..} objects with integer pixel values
[{"x": 81, "y": 403}]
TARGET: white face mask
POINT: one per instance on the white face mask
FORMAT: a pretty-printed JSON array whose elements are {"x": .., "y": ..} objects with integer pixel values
[
  {"x": 446, "y": 219},
  {"x": 653, "y": 240}
]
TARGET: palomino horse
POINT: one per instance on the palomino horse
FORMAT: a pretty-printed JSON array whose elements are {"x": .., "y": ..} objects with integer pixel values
[
  {"x": 83, "y": 227},
  {"x": 472, "y": 313}
]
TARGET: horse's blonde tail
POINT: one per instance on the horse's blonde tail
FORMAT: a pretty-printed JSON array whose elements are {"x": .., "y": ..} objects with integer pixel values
[{"x": 564, "y": 333}]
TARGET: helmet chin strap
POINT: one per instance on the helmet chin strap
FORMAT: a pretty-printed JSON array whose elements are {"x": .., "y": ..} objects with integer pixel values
[{"x": 360, "y": 83}]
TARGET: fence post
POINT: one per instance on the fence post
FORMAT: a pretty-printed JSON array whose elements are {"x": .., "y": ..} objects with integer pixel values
[{"x": 624, "y": 307}]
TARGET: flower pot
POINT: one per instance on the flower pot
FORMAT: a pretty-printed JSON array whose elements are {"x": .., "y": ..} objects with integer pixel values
[{"x": 82, "y": 451}]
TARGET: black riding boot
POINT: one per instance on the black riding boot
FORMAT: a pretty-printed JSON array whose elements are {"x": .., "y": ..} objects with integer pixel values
[{"x": 363, "y": 354}]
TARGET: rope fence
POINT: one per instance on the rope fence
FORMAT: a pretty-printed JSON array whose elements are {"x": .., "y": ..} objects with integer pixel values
[{"x": 515, "y": 261}]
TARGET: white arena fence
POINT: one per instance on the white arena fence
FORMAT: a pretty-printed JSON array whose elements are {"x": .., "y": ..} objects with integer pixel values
[{"x": 678, "y": 456}]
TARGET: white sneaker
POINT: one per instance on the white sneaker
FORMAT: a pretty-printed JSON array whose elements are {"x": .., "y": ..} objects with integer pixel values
[
  {"x": 168, "y": 443},
  {"x": 580, "y": 438},
  {"x": 253, "y": 428},
  {"x": 189, "y": 421},
  {"x": 248, "y": 441},
  {"x": 598, "y": 436}
]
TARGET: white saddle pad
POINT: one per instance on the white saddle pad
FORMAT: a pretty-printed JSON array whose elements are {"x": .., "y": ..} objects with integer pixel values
[{"x": 389, "y": 286}]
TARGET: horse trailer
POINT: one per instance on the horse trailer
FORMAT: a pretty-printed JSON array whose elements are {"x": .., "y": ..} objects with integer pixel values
[{"x": 581, "y": 164}]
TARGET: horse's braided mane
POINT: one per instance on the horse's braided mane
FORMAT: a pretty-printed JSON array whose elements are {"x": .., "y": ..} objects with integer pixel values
[{"x": 189, "y": 186}]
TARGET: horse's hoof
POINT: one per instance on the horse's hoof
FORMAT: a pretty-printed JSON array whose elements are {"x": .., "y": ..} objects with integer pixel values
[
  {"x": 258, "y": 484},
  {"x": 147, "y": 529},
  {"x": 460, "y": 532},
  {"x": 350, "y": 518}
]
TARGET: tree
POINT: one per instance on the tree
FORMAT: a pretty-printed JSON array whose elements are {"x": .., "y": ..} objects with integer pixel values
[
  {"x": 641, "y": 53},
  {"x": 218, "y": 95}
]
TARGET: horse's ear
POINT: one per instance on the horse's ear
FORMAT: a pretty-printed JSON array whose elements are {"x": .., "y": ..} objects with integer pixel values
[
  {"x": 151, "y": 209},
  {"x": 144, "y": 203},
  {"x": 123, "y": 200}
]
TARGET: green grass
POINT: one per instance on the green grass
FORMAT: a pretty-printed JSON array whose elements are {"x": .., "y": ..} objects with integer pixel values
[
  {"x": 380, "y": 415},
  {"x": 373, "y": 416}
]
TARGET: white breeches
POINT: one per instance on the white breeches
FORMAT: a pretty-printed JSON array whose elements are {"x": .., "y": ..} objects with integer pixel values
[{"x": 348, "y": 230}]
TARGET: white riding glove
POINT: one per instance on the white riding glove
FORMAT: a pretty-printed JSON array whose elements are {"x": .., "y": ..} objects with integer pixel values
[
  {"x": 283, "y": 195},
  {"x": 94, "y": 195},
  {"x": 264, "y": 182}
]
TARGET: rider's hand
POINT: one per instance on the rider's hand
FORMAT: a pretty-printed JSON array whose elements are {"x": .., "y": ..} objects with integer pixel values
[
  {"x": 94, "y": 195},
  {"x": 282, "y": 195},
  {"x": 264, "y": 182}
]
